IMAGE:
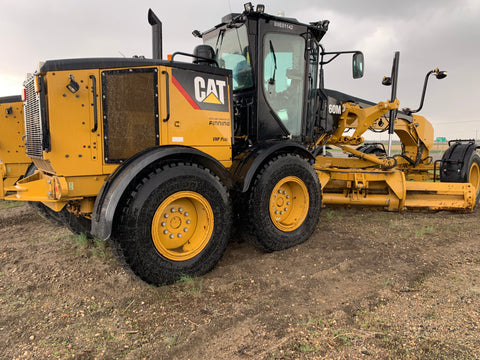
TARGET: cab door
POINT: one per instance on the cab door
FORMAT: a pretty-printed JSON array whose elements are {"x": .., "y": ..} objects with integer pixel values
[
  {"x": 284, "y": 68},
  {"x": 312, "y": 88}
]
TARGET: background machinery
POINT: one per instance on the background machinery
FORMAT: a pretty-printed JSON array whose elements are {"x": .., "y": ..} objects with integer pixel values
[
  {"x": 15, "y": 164},
  {"x": 160, "y": 157},
  {"x": 13, "y": 159}
]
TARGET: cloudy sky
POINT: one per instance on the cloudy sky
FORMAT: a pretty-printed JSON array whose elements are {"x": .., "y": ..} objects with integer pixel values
[{"x": 428, "y": 34}]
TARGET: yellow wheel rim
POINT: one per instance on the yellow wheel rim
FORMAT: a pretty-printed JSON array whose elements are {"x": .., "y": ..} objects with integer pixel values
[
  {"x": 474, "y": 176},
  {"x": 182, "y": 225},
  {"x": 289, "y": 203}
]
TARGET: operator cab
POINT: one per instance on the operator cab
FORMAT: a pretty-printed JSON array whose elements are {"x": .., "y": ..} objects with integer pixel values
[{"x": 274, "y": 62}]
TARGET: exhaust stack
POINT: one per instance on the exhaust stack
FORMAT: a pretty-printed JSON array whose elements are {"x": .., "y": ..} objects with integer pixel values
[{"x": 156, "y": 34}]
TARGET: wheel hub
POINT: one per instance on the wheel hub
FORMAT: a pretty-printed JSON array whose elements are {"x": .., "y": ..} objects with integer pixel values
[
  {"x": 289, "y": 203},
  {"x": 175, "y": 222},
  {"x": 182, "y": 225}
]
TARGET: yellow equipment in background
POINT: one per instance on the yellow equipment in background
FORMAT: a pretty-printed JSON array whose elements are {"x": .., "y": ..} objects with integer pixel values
[{"x": 13, "y": 159}]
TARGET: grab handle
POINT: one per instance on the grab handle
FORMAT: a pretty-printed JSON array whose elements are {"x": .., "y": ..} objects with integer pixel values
[
  {"x": 94, "y": 92},
  {"x": 167, "y": 95}
]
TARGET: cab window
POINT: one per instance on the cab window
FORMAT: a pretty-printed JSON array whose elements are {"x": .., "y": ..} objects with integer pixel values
[
  {"x": 284, "y": 77},
  {"x": 232, "y": 52}
]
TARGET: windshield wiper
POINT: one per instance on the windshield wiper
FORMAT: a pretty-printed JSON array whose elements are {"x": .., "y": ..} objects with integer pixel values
[
  {"x": 272, "y": 50},
  {"x": 220, "y": 36}
]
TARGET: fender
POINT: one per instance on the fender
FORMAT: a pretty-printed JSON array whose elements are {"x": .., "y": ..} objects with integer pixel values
[
  {"x": 248, "y": 163},
  {"x": 454, "y": 165},
  {"x": 114, "y": 187}
]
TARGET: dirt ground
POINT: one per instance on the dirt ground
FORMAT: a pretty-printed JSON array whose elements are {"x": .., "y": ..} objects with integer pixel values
[{"x": 367, "y": 285}]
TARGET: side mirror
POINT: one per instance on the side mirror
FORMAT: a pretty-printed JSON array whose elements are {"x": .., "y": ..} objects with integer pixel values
[{"x": 357, "y": 65}]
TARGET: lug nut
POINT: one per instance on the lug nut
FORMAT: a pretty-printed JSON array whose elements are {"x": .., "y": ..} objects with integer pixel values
[
  {"x": 172, "y": 236},
  {"x": 185, "y": 229},
  {"x": 165, "y": 232},
  {"x": 179, "y": 235},
  {"x": 173, "y": 210},
  {"x": 188, "y": 221},
  {"x": 166, "y": 216},
  {"x": 186, "y": 214},
  {"x": 164, "y": 224},
  {"x": 180, "y": 209}
]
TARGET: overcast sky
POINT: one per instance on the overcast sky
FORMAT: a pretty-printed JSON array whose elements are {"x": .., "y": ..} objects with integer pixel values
[{"x": 428, "y": 34}]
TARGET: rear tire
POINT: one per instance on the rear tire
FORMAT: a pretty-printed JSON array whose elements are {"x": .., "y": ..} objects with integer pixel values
[
  {"x": 175, "y": 222},
  {"x": 76, "y": 224},
  {"x": 284, "y": 204},
  {"x": 45, "y": 212}
]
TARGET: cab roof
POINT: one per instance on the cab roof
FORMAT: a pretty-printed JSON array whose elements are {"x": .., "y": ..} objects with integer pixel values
[{"x": 318, "y": 28}]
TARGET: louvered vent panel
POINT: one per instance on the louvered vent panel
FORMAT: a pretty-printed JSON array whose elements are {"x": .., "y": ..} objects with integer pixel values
[{"x": 33, "y": 120}]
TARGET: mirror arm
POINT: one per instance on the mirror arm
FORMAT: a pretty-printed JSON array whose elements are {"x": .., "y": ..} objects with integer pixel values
[
  {"x": 422, "y": 99},
  {"x": 329, "y": 60},
  {"x": 336, "y": 53}
]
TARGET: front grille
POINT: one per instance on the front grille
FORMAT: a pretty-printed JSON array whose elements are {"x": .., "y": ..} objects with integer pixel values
[{"x": 33, "y": 120}]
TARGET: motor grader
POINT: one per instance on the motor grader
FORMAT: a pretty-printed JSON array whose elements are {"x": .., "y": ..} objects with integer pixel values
[{"x": 161, "y": 157}]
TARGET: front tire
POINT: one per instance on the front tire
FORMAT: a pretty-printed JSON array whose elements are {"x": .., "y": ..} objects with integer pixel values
[
  {"x": 175, "y": 222},
  {"x": 462, "y": 165},
  {"x": 284, "y": 204},
  {"x": 473, "y": 174}
]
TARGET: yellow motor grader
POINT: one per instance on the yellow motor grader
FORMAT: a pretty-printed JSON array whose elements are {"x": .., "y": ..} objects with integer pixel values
[{"x": 160, "y": 157}]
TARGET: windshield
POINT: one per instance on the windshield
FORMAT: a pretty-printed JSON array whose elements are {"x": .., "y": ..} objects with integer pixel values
[{"x": 231, "y": 52}]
